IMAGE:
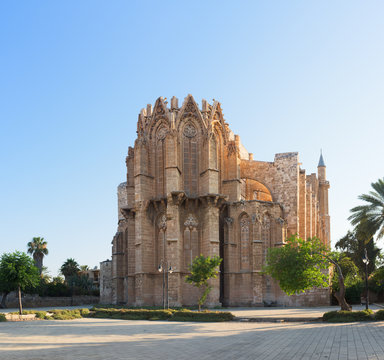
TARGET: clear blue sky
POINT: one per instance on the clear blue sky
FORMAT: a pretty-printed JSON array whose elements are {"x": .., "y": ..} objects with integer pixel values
[{"x": 291, "y": 76}]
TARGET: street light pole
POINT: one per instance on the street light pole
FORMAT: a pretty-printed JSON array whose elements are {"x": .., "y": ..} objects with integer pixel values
[
  {"x": 166, "y": 269},
  {"x": 169, "y": 271},
  {"x": 366, "y": 262},
  {"x": 164, "y": 266},
  {"x": 163, "y": 227},
  {"x": 161, "y": 269}
]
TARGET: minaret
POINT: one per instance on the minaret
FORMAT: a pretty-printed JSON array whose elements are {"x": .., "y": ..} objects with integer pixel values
[{"x": 324, "y": 220}]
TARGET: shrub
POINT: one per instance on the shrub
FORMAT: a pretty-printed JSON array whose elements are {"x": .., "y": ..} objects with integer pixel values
[
  {"x": 57, "y": 314},
  {"x": 348, "y": 316},
  {"x": 376, "y": 282},
  {"x": 379, "y": 315},
  {"x": 2, "y": 317},
  {"x": 132, "y": 314},
  {"x": 204, "y": 316},
  {"x": 84, "y": 312},
  {"x": 64, "y": 314},
  {"x": 41, "y": 314},
  {"x": 171, "y": 315},
  {"x": 75, "y": 285},
  {"x": 353, "y": 293},
  {"x": 54, "y": 289}
]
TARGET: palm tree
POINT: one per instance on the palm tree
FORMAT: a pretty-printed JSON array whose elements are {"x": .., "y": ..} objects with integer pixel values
[
  {"x": 38, "y": 248},
  {"x": 84, "y": 268},
  {"x": 69, "y": 268},
  {"x": 373, "y": 211}
]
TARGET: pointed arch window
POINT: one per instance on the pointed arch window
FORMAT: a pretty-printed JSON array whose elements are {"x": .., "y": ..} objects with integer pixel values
[
  {"x": 160, "y": 161},
  {"x": 213, "y": 152},
  {"x": 191, "y": 240},
  {"x": 190, "y": 160},
  {"x": 244, "y": 242},
  {"x": 218, "y": 157},
  {"x": 266, "y": 232},
  {"x": 161, "y": 240}
]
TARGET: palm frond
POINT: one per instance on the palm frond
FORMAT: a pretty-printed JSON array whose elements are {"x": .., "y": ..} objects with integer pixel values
[
  {"x": 371, "y": 199},
  {"x": 378, "y": 186}
]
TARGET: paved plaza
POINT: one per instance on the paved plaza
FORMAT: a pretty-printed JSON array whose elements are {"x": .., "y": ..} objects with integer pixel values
[{"x": 120, "y": 339}]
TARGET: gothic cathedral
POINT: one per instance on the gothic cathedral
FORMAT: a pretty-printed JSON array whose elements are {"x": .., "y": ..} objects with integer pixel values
[{"x": 192, "y": 188}]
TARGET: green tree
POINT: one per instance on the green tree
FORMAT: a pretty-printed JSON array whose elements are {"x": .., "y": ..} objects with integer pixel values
[
  {"x": 355, "y": 242},
  {"x": 376, "y": 281},
  {"x": 352, "y": 279},
  {"x": 80, "y": 284},
  {"x": 300, "y": 265},
  {"x": 38, "y": 249},
  {"x": 18, "y": 271},
  {"x": 58, "y": 280},
  {"x": 5, "y": 289},
  {"x": 372, "y": 211},
  {"x": 45, "y": 276},
  {"x": 202, "y": 269},
  {"x": 69, "y": 268},
  {"x": 84, "y": 268}
]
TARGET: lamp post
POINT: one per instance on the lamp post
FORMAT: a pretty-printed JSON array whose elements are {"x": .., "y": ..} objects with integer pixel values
[
  {"x": 166, "y": 269},
  {"x": 366, "y": 262},
  {"x": 163, "y": 227},
  {"x": 164, "y": 266}
]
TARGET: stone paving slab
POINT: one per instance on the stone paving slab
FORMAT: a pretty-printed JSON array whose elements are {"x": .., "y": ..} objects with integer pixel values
[{"x": 119, "y": 339}]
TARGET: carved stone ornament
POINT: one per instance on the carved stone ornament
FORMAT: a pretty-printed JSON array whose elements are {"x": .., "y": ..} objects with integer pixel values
[
  {"x": 256, "y": 217},
  {"x": 232, "y": 150},
  {"x": 142, "y": 139},
  {"x": 190, "y": 107},
  {"x": 190, "y": 222},
  {"x": 190, "y": 131},
  {"x": 160, "y": 110},
  {"x": 266, "y": 222},
  {"x": 244, "y": 223},
  {"x": 162, "y": 224},
  {"x": 229, "y": 220},
  {"x": 162, "y": 133}
]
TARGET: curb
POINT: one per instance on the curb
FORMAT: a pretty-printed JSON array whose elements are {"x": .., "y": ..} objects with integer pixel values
[
  {"x": 278, "y": 319},
  {"x": 14, "y": 317}
]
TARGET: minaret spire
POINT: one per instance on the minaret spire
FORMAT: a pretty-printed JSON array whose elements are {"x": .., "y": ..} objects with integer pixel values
[
  {"x": 321, "y": 160},
  {"x": 324, "y": 225}
]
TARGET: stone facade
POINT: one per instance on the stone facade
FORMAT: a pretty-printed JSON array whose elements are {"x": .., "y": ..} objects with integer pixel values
[
  {"x": 192, "y": 188},
  {"x": 106, "y": 282}
]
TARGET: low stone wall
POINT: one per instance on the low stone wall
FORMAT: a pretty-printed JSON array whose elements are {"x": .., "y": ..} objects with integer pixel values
[
  {"x": 37, "y": 301},
  {"x": 313, "y": 297}
]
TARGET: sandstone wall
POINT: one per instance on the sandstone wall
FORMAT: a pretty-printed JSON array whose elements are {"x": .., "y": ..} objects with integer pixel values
[{"x": 106, "y": 282}]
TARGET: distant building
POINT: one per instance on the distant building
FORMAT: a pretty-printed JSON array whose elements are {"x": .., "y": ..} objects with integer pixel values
[
  {"x": 106, "y": 282},
  {"x": 94, "y": 276},
  {"x": 192, "y": 188}
]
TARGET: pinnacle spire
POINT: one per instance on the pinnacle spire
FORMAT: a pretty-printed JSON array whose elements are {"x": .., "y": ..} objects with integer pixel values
[{"x": 321, "y": 160}]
